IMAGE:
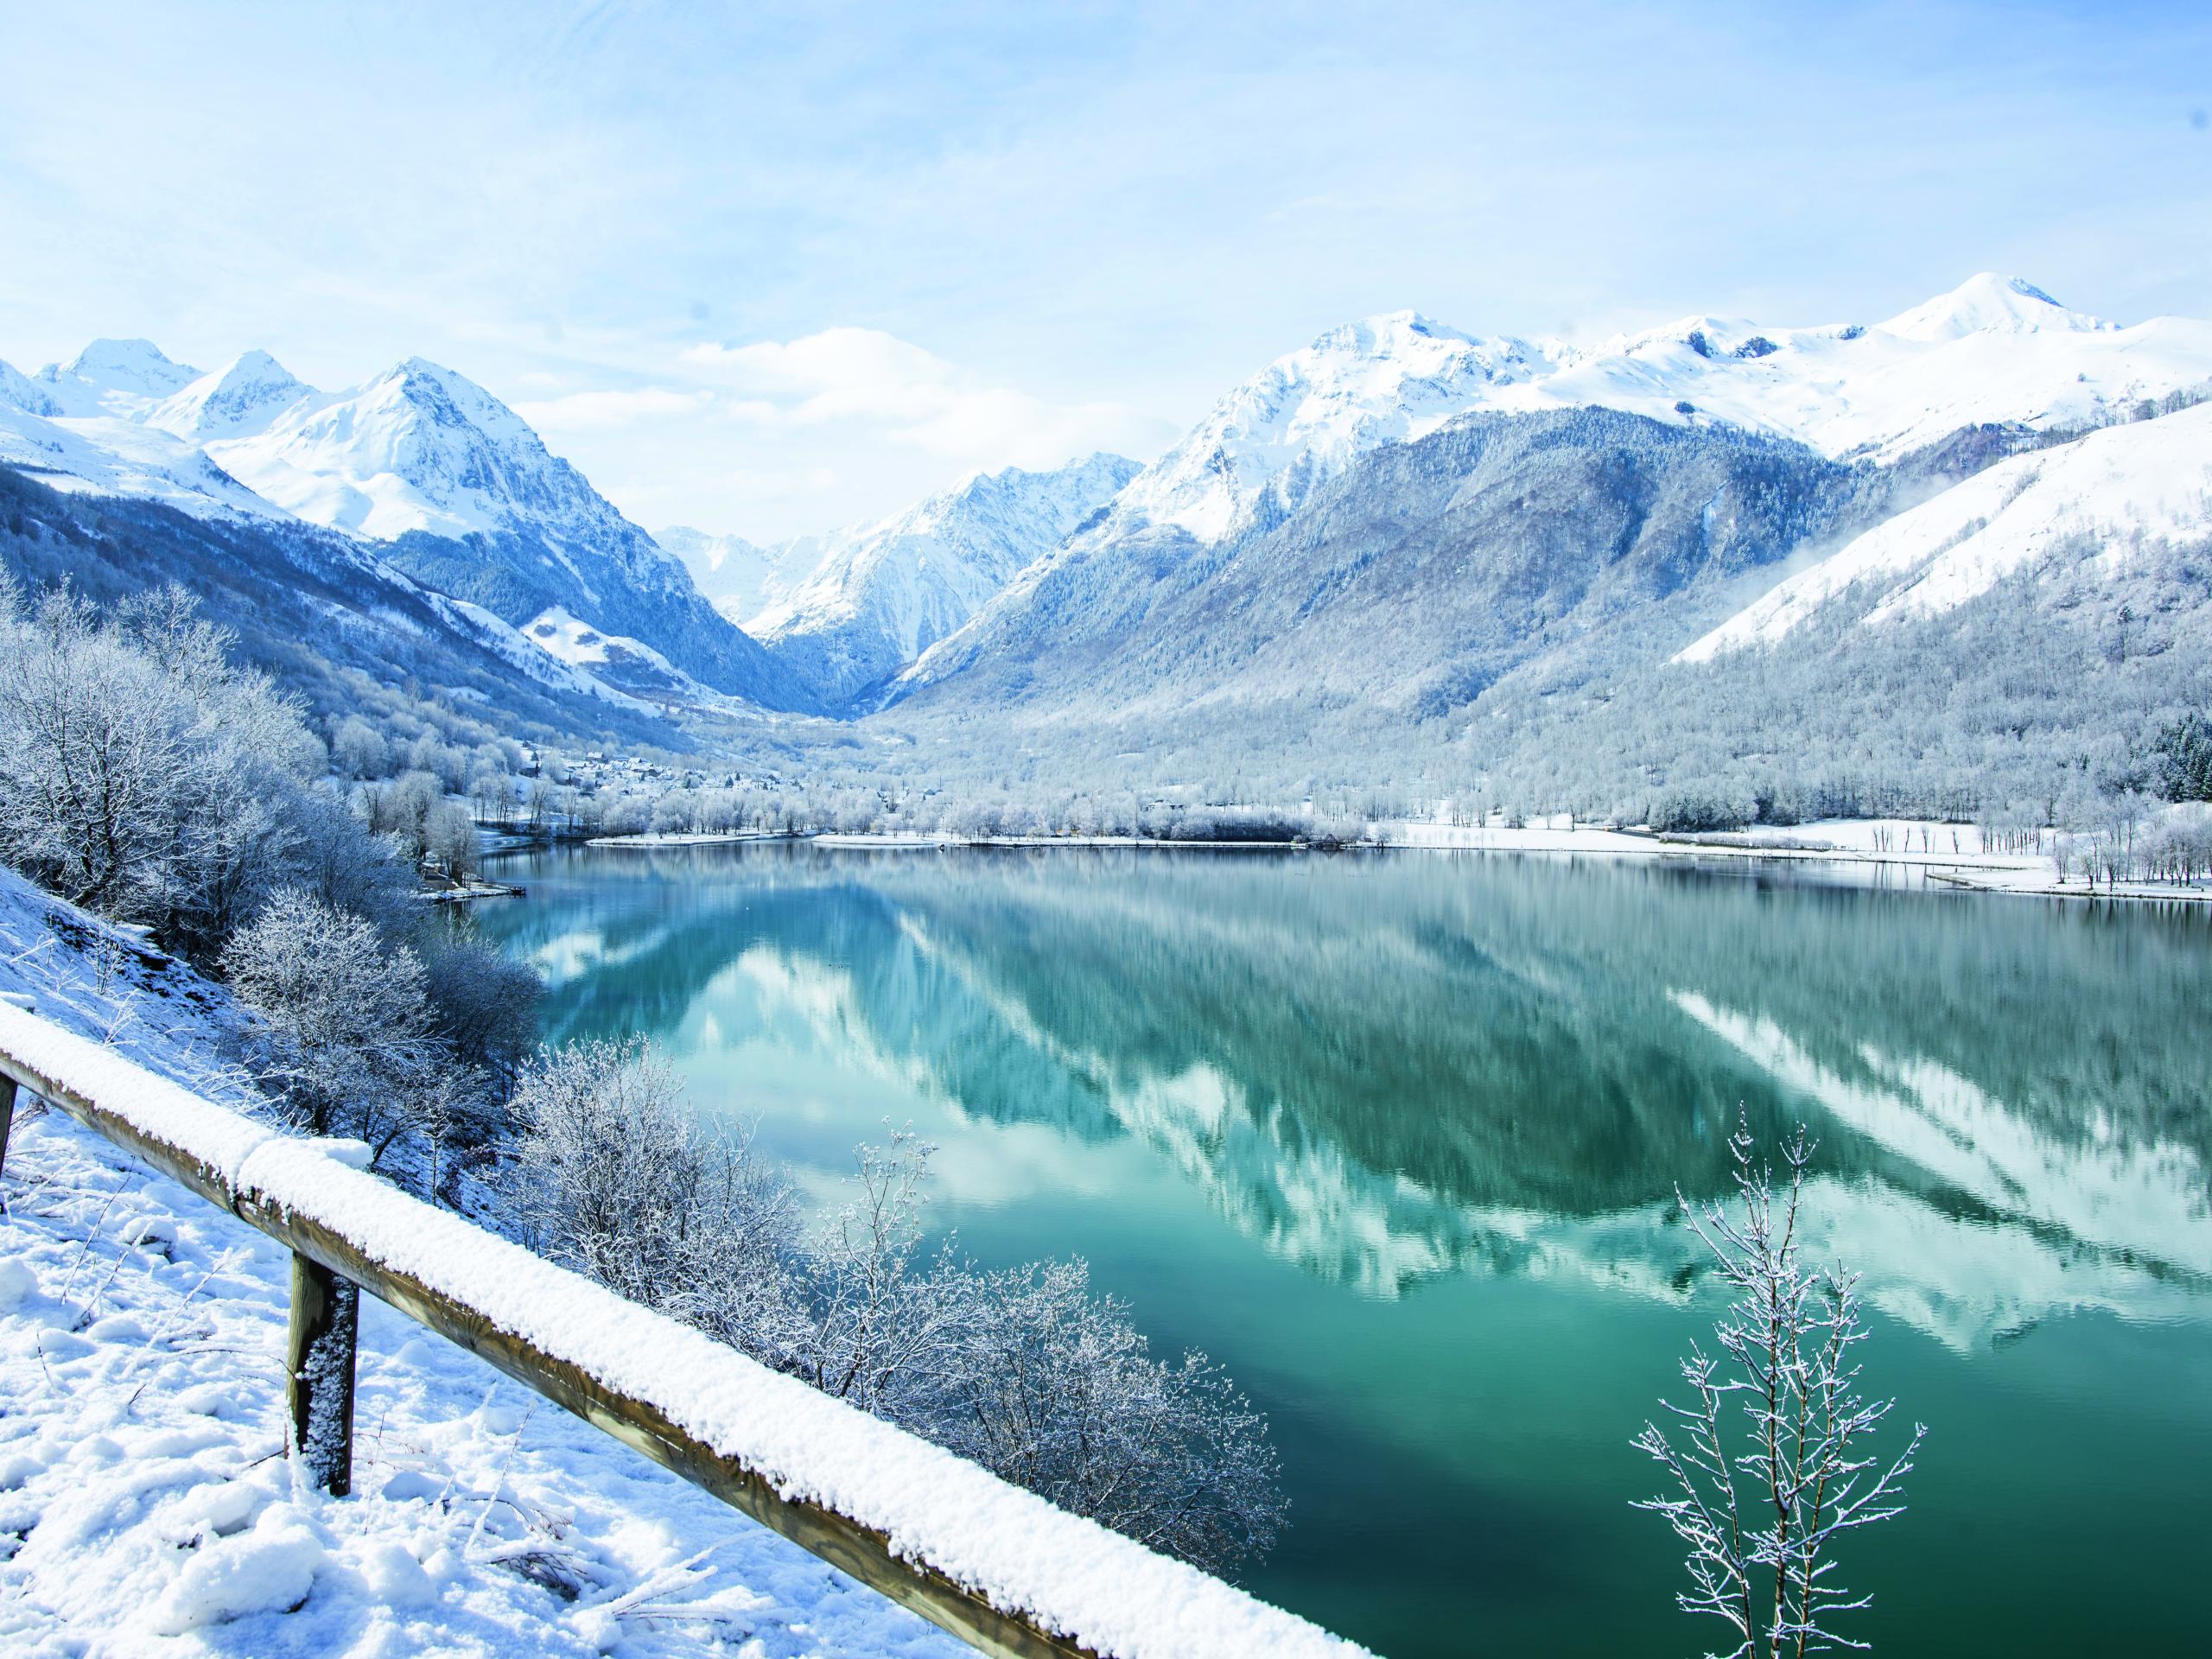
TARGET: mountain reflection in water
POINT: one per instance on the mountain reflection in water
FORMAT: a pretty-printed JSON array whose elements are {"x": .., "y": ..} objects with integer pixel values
[{"x": 1401, "y": 1073}]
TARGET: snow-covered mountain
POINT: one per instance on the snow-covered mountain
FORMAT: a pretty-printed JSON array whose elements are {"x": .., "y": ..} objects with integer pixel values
[
  {"x": 103, "y": 452},
  {"x": 2113, "y": 492},
  {"x": 451, "y": 486},
  {"x": 740, "y": 578},
  {"x": 122, "y": 378},
  {"x": 1258, "y": 455},
  {"x": 883, "y": 593},
  {"x": 1996, "y": 352},
  {"x": 240, "y": 398}
]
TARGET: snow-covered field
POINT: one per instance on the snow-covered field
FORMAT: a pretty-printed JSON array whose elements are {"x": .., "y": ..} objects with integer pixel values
[
  {"x": 1887, "y": 841},
  {"x": 145, "y": 1505}
]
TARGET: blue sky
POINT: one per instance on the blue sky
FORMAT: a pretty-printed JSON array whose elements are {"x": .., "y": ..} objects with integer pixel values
[{"x": 768, "y": 269}]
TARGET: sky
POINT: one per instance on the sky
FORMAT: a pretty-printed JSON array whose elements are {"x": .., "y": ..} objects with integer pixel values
[{"x": 770, "y": 270}]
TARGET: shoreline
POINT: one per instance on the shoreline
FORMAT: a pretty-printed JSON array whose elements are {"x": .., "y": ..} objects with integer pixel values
[{"x": 1956, "y": 869}]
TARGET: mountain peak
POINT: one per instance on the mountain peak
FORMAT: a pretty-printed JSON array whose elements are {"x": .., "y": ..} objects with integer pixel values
[
  {"x": 121, "y": 378},
  {"x": 237, "y": 398},
  {"x": 125, "y": 365},
  {"x": 1990, "y": 302}
]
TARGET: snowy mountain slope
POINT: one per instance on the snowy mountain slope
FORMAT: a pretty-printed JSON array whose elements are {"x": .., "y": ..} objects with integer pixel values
[
  {"x": 737, "y": 577},
  {"x": 311, "y": 606},
  {"x": 1996, "y": 352},
  {"x": 883, "y": 593},
  {"x": 1414, "y": 579},
  {"x": 1263, "y": 448},
  {"x": 239, "y": 397},
  {"x": 18, "y": 390},
  {"x": 419, "y": 460},
  {"x": 418, "y": 447},
  {"x": 123, "y": 378},
  {"x": 2116, "y": 489},
  {"x": 1995, "y": 349},
  {"x": 104, "y": 455}
]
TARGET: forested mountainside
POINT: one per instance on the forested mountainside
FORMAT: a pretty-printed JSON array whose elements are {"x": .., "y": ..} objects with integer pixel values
[
  {"x": 1415, "y": 577},
  {"x": 312, "y": 608}
]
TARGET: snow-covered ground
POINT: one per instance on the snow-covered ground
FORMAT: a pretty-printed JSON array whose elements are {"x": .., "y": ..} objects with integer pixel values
[{"x": 145, "y": 1505}]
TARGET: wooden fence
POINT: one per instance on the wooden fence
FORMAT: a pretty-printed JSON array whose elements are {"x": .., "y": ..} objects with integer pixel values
[{"x": 1019, "y": 1606}]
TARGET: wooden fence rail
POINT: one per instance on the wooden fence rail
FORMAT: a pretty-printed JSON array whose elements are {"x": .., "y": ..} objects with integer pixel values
[{"x": 1029, "y": 1611}]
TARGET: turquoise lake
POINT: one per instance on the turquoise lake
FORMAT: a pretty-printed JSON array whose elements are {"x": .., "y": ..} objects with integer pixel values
[{"x": 1395, "y": 1138}]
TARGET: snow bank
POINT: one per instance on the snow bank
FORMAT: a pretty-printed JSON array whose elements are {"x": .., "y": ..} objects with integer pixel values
[{"x": 145, "y": 1509}]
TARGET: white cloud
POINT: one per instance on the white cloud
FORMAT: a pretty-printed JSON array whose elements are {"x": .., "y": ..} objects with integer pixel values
[
  {"x": 904, "y": 393},
  {"x": 600, "y": 412}
]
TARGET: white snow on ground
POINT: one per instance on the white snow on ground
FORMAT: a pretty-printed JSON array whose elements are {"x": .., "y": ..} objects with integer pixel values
[
  {"x": 145, "y": 1508},
  {"x": 2123, "y": 485},
  {"x": 576, "y": 642}
]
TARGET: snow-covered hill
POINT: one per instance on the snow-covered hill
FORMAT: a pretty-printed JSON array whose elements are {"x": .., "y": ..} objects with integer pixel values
[
  {"x": 883, "y": 593},
  {"x": 2114, "y": 490},
  {"x": 450, "y": 485}
]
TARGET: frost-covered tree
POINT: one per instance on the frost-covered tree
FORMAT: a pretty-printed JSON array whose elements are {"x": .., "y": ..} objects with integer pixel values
[
  {"x": 143, "y": 776},
  {"x": 615, "y": 1178},
  {"x": 342, "y": 1021},
  {"x": 483, "y": 1005},
  {"x": 1025, "y": 1370},
  {"x": 1055, "y": 1389},
  {"x": 1773, "y": 1465}
]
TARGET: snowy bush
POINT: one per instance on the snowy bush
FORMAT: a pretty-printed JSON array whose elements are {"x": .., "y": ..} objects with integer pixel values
[
  {"x": 483, "y": 1005},
  {"x": 145, "y": 777},
  {"x": 1025, "y": 1371},
  {"x": 1053, "y": 1389},
  {"x": 614, "y": 1177},
  {"x": 343, "y": 1023}
]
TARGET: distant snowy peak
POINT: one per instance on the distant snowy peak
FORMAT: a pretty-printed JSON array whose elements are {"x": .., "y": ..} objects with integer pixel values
[
  {"x": 114, "y": 377},
  {"x": 1993, "y": 350},
  {"x": 239, "y": 397},
  {"x": 19, "y": 390},
  {"x": 882, "y": 593},
  {"x": 1991, "y": 304},
  {"x": 967, "y": 542},
  {"x": 1265, "y": 446},
  {"x": 737, "y": 577},
  {"x": 2111, "y": 491}
]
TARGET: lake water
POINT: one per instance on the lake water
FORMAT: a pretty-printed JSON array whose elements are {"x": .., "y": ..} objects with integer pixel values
[{"x": 1394, "y": 1136}]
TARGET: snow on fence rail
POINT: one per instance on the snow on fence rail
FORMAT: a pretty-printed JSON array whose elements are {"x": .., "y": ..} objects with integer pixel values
[{"x": 997, "y": 1566}]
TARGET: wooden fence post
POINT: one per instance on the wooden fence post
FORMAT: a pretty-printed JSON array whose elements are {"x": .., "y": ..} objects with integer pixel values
[
  {"x": 7, "y": 1115},
  {"x": 319, "y": 1373}
]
